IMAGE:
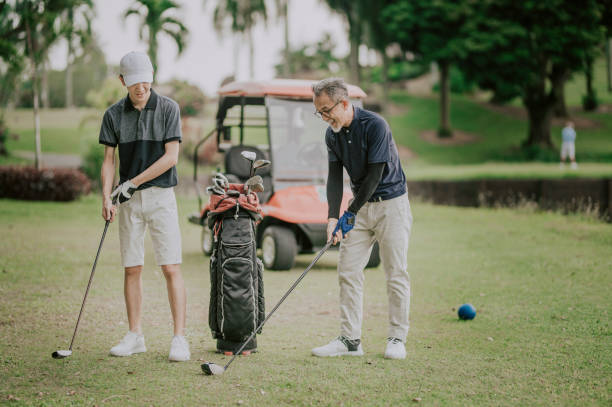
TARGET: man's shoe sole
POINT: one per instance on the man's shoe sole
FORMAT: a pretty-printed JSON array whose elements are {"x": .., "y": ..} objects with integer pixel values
[
  {"x": 121, "y": 355},
  {"x": 354, "y": 353}
]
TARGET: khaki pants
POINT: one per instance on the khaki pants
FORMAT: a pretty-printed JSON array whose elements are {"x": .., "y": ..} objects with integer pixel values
[{"x": 389, "y": 223}]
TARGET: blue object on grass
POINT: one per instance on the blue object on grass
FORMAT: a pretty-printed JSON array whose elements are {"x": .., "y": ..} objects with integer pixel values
[{"x": 467, "y": 311}]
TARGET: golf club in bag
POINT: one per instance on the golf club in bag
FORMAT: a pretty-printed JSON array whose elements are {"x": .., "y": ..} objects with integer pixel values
[
  {"x": 60, "y": 354},
  {"x": 210, "y": 368}
]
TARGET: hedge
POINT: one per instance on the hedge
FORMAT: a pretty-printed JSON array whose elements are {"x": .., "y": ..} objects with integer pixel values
[{"x": 47, "y": 184}]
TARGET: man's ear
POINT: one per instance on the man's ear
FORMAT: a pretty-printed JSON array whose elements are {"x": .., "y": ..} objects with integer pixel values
[{"x": 122, "y": 81}]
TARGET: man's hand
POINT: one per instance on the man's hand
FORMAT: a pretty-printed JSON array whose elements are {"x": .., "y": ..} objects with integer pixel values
[
  {"x": 108, "y": 209},
  {"x": 345, "y": 224},
  {"x": 124, "y": 191},
  {"x": 332, "y": 233}
]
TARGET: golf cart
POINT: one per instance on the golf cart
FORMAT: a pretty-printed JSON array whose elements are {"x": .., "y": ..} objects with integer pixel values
[{"x": 274, "y": 120}]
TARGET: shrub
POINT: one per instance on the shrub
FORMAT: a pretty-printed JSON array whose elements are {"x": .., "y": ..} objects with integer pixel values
[
  {"x": 92, "y": 161},
  {"x": 48, "y": 184},
  {"x": 190, "y": 98}
]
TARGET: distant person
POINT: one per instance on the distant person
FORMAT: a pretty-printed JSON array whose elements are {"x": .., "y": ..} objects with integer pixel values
[
  {"x": 361, "y": 142},
  {"x": 568, "y": 145},
  {"x": 146, "y": 128}
]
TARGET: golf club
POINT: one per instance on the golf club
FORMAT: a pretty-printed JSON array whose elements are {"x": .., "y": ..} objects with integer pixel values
[
  {"x": 210, "y": 368},
  {"x": 221, "y": 180},
  {"x": 60, "y": 354},
  {"x": 250, "y": 156},
  {"x": 214, "y": 189},
  {"x": 255, "y": 184},
  {"x": 259, "y": 164}
]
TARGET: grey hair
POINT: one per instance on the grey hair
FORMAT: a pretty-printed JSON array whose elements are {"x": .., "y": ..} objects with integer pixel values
[{"x": 335, "y": 88}]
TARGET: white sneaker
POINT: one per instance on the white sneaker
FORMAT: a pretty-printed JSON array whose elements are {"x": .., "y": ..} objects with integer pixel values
[
  {"x": 130, "y": 344},
  {"x": 395, "y": 349},
  {"x": 574, "y": 166},
  {"x": 339, "y": 347},
  {"x": 179, "y": 349}
]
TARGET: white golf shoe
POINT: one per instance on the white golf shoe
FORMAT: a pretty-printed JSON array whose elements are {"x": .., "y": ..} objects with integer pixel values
[
  {"x": 179, "y": 349},
  {"x": 130, "y": 344},
  {"x": 340, "y": 346},
  {"x": 395, "y": 349}
]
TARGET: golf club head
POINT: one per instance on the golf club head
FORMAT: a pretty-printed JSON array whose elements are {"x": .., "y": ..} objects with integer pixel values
[
  {"x": 249, "y": 155},
  {"x": 221, "y": 183},
  {"x": 60, "y": 354},
  {"x": 256, "y": 188},
  {"x": 211, "y": 369},
  {"x": 221, "y": 176},
  {"x": 260, "y": 164},
  {"x": 254, "y": 184}
]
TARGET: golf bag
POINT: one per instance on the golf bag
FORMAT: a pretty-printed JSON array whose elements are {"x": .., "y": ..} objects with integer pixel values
[{"x": 236, "y": 274}]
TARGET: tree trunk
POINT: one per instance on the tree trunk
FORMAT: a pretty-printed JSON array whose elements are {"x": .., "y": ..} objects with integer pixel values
[
  {"x": 560, "y": 109},
  {"x": 236, "y": 46},
  {"x": 38, "y": 154},
  {"x": 355, "y": 40},
  {"x": 69, "y": 99},
  {"x": 287, "y": 65},
  {"x": 609, "y": 62},
  {"x": 251, "y": 54},
  {"x": 539, "y": 107},
  {"x": 385, "y": 78},
  {"x": 153, "y": 51},
  {"x": 591, "y": 99},
  {"x": 44, "y": 81},
  {"x": 444, "y": 130}
]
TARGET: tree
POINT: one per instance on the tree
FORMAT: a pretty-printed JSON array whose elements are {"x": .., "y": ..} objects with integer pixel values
[
  {"x": 311, "y": 61},
  {"x": 282, "y": 11},
  {"x": 78, "y": 35},
  {"x": 155, "y": 20},
  {"x": 243, "y": 15},
  {"x": 437, "y": 31},
  {"x": 354, "y": 12},
  {"x": 531, "y": 46},
  {"x": 39, "y": 25}
]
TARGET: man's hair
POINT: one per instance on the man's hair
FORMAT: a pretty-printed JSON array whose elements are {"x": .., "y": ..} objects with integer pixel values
[{"x": 335, "y": 88}]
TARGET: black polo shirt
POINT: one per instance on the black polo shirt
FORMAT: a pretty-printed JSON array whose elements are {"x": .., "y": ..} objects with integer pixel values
[
  {"x": 367, "y": 140},
  {"x": 142, "y": 136}
]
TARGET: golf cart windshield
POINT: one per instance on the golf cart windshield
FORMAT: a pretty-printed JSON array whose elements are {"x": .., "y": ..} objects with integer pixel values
[{"x": 297, "y": 140}]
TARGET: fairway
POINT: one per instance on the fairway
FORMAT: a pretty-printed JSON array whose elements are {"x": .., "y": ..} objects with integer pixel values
[{"x": 539, "y": 281}]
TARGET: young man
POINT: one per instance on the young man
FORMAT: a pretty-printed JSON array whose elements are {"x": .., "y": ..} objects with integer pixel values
[
  {"x": 568, "y": 145},
  {"x": 361, "y": 142},
  {"x": 147, "y": 129}
]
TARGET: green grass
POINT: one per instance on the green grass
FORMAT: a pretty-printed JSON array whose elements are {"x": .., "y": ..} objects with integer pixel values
[{"x": 540, "y": 283}]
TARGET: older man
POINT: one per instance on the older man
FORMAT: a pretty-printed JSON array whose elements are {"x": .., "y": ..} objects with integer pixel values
[
  {"x": 147, "y": 129},
  {"x": 361, "y": 142}
]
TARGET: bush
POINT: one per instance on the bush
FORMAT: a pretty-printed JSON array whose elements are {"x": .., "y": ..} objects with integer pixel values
[
  {"x": 108, "y": 93},
  {"x": 190, "y": 98},
  {"x": 48, "y": 184},
  {"x": 92, "y": 161}
]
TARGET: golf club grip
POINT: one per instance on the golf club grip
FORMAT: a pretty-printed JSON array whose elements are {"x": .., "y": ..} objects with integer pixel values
[
  {"x": 93, "y": 270},
  {"x": 323, "y": 250}
]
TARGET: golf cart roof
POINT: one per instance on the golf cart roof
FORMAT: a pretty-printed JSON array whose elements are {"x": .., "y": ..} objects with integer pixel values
[{"x": 291, "y": 88}]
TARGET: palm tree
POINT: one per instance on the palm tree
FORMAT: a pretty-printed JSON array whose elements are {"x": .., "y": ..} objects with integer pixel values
[
  {"x": 155, "y": 20},
  {"x": 282, "y": 11},
  {"x": 244, "y": 15},
  {"x": 79, "y": 36}
]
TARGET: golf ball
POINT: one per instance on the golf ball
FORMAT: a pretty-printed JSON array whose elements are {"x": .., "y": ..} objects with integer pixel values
[{"x": 466, "y": 311}]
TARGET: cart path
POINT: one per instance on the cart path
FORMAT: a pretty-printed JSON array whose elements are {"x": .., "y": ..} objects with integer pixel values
[{"x": 53, "y": 160}]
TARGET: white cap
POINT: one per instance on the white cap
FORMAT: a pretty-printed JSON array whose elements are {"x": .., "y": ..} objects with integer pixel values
[{"x": 136, "y": 67}]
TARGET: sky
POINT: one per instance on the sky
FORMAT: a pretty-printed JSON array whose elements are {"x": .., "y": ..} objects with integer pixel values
[{"x": 208, "y": 58}]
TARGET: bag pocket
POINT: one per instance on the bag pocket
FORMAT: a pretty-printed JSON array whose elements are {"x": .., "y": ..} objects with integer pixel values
[{"x": 238, "y": 300}]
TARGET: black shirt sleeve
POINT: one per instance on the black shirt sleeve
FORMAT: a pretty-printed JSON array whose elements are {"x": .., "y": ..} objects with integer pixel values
[
  {"x": 371, "y": 181},
  {"x": 334, "y": 189}
]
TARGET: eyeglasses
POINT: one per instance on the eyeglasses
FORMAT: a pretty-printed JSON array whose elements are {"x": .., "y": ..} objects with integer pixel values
[{"x": 325, "y": 113}]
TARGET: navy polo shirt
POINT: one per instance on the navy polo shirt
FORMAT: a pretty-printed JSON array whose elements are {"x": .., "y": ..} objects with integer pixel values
[
  {"x": 367, "y": 140},
  {"x": 142, "y": 136}
]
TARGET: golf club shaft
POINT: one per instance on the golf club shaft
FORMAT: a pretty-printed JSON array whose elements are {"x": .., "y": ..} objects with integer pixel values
[
  {"x": 323, "y": 250},
  {"x": 93, "y": 270}
]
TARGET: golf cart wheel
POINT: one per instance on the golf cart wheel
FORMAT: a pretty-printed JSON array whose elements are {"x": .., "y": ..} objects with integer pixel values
[
  {"x": 207, "y": 240},
  {"x": 374, "y": 257},
  {"x": 279, "y": 248}
]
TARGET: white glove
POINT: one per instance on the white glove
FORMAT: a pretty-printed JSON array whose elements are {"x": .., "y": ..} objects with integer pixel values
[{"x": 124, "y": 191}]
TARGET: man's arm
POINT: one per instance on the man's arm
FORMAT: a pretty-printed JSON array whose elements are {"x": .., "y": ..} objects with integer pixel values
[
  {"x": 334, "y": 196},
  {"x": 107, "y": 175},
  {"x": 370, "y": 183},
  {"x": 163, "y": 164}
]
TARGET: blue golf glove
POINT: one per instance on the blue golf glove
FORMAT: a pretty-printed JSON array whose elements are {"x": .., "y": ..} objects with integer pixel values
[{"x": 345, "y": 223}]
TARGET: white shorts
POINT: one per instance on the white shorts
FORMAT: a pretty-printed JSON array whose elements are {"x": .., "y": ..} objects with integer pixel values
[
  {"x": 156, "y": 208},
  {"x": 568, "y": 148}
]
